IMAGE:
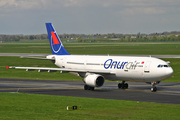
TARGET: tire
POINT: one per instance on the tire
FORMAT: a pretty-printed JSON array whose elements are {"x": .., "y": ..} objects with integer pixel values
[
  {"x": 126, "y": 86},
  {"x": 119, "y": 85},
  {"x": 154, "y": 89},
  {"x": 86, "y": 87},
  {"x": 92, "y": 88}
]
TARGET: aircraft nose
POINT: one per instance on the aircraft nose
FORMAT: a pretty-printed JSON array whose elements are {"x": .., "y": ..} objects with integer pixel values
[{"x": 169, "y": 71}]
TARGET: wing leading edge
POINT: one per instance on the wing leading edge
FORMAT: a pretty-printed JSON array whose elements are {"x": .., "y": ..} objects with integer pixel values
[{"x": 41, "y": 69}]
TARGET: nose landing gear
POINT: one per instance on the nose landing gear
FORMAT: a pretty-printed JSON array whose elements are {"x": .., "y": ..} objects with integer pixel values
[{"x": 154, "y": 88}]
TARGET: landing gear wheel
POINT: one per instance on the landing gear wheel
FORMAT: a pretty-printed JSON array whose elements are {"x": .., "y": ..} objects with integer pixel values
[
  {"x": 119, "y": 85},
  {"x": 91, "y": 88},
  {"x": 126, "y": 86},
  {"x": 86, "y": 87},
  {"x": 153, "y": 89},
  {"x": 123, "y": 85}
]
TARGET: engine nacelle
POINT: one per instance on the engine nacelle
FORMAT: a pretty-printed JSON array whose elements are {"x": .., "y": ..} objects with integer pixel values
[{"x": 94, "y": 80}]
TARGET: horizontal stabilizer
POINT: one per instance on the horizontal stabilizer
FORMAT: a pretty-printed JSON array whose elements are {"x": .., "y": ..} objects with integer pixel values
[{"x": 40, "y": 58}]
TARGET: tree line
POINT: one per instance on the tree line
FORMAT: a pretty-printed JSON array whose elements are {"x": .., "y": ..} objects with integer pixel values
[
  {"x": 16, "y": 38},
  {"x": 153, "y": 37}
]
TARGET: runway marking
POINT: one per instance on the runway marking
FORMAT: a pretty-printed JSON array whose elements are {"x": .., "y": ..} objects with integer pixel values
[
  {"x": 170, "y": 91},
  {"x": 17, "y": 84},
  {"x": 39, "y": 88},
  {"x": 150, "y": 91},
  {"x": 35, "y": 84}
]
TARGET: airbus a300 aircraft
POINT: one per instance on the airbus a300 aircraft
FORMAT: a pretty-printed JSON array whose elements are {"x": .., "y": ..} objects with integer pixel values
[{"x": 95, "y": 69}]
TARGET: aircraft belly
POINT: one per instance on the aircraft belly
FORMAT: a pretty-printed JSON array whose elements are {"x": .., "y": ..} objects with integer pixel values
[{"x": 110, "y": 76}]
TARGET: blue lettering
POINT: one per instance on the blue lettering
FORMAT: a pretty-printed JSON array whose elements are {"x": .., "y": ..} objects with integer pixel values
[
  {"x": 123, "y": 65},
  {"x": 110, "y": 63},
  {"x": 118, "y": 65},
  {"x": 114, "y": 63},
  {"x": 106, "y": 67}
]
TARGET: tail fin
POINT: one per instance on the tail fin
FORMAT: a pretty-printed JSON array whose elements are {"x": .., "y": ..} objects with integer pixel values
[{"x": 57, "y": 47}]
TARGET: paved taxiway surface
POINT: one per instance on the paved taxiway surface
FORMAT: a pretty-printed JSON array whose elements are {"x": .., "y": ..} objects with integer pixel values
[{"x": 167, "y": 92}]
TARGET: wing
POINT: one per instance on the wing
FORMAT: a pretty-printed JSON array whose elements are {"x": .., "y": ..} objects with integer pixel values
[{"x": 42, "y": 69}]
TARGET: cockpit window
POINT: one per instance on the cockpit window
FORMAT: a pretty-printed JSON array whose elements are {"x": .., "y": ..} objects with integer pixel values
[
  {"x": 166, "y": 66},
  {"x": 160, "y": 66}
]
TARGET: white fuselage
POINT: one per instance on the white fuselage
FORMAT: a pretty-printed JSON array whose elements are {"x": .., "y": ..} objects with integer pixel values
[{"x": 146, "y": 69}]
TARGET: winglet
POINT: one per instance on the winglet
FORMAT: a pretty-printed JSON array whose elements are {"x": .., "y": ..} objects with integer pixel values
[{"x": 57, "y": 47}]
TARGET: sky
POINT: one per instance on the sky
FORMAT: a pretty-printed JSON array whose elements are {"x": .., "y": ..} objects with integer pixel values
[{"x": 89, "y": 16}]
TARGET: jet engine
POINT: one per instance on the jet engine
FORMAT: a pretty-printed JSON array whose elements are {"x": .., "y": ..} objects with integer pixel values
[{"x": 94, "y": 80}]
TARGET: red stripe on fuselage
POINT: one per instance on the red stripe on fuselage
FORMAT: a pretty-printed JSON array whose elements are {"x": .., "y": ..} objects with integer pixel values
[{"x": 55, "y": 39}]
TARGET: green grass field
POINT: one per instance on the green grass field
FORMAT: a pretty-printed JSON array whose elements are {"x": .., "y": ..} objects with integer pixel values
[
  {"x": 28, "y": 106},
  {"x": 146, "y": 48},
  {"x": 45, "y": 107}
]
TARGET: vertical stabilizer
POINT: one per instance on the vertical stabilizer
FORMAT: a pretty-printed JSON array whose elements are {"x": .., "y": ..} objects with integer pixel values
[{"x": 57, "y": 47}]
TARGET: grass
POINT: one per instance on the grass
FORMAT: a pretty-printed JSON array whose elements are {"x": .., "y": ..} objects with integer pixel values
[
  {"x": 29, "y": 106},
  {"x": 124, "y": 49},
  {"x": 25, "y": 48},
  {"x": 175, "y": 64},
  {"x": 164, "y": 48}
]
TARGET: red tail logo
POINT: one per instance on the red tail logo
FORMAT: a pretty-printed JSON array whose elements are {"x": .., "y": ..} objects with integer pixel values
[{"x": 54, "y": 38}]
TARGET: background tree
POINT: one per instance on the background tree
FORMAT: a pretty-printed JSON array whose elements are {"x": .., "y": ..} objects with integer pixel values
[
  {"x": 79, "y": 39},
  {"x": 31, "y": 37}
]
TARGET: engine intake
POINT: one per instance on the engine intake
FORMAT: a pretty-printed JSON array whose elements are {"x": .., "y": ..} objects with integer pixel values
[{"x": 94, "y": 80}]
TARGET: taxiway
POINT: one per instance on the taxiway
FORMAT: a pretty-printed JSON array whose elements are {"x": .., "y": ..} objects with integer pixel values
[{"x": 166, "y": 93}]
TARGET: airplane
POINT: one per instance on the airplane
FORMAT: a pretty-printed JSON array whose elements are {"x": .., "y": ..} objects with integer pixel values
[{"x": 94, "y": 69}]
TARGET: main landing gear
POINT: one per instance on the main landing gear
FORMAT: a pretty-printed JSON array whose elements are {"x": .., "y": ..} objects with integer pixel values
[
  {"x": 87, "y": 87},
  {"x": 123, "y": 85}
]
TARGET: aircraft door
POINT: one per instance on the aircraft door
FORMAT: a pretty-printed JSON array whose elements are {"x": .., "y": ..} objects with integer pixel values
[
  {"x": 63, "y": 62},
  {"x": 147, "y": 67}
]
